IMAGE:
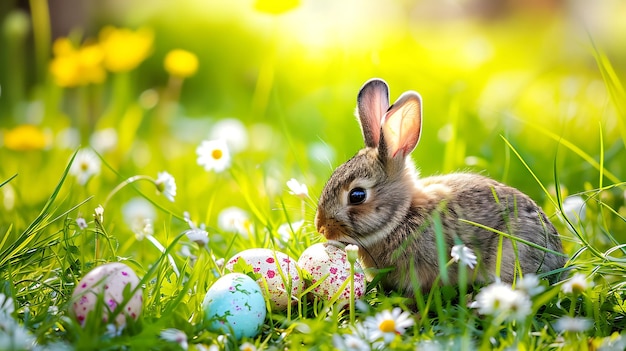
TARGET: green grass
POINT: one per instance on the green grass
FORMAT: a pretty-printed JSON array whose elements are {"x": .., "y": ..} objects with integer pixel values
[{"x": 535, "y": 113}]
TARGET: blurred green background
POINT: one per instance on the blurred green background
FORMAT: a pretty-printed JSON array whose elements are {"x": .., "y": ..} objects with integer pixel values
[{"x": 528, "y": 71}]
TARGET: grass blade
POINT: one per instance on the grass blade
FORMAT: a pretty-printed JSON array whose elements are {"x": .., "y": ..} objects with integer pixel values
[
  {"x": 530, "y": 171},
  {"x": 8, "y": 180},
  {"x": 575, "y": 149}
]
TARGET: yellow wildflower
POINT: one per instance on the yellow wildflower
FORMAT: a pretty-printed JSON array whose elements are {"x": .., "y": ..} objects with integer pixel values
[
  {"x": 90, "y": 57},
  {"x": 181, "y": 63},
  {"x": 275, "y": 7},
  {"x": 26, "y": 137},
  {"x": 65, "y": 71},
  {"x": 125, "y": 49},
  {"x": 62, "y": 47},
  {"x": 72, "y": 67}
]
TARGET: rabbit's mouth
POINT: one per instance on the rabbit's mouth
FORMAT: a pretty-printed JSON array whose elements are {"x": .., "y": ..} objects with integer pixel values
[
  {"x": 338, "y": 238},
  {"x": 338, "y": 244}
]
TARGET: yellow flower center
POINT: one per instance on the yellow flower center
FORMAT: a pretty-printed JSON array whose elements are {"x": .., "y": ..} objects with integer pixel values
[
  {"x": 496, "y": 303},
  {"x": 387, "y": 326},
  {"x": 217, "y": 154},
  {"x": 84, "y": 166},
  {"x": 578, "y": 288}
]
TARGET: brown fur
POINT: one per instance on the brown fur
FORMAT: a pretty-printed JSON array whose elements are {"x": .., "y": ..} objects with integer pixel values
[{"x": 394, "y": 226}]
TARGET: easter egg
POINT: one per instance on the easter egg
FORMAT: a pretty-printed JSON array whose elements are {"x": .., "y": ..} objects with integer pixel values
[
  {"x": 329, "y": 265},
  {"x": 278, "y": 275},
  {"x": 107, "y": 283},
  {"x": 234, "y": 305}
]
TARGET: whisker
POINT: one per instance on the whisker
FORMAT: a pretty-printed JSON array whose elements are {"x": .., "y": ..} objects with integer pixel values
[
  {"x": 366, "y": 251},
  {"x": 358, "y": 242}
]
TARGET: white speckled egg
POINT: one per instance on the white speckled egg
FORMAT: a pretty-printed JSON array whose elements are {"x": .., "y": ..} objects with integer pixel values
[
  {"x": 107, "y": 282},
  {"x": 277, "y": 272},
  {"x": 234, "y": 304},
  {"x": 326, "y": 259}
]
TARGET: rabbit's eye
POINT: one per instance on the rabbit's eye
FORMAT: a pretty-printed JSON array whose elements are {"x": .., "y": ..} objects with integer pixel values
[{"x": 357, "y": 196}]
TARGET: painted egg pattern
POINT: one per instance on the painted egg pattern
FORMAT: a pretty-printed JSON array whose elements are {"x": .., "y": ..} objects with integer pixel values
[
  {"x": 108, "y": 282},
  {"x": 234, "y": 304},
  {"x": 277, "y": 271},
  {"x": 326, "y": 259}
]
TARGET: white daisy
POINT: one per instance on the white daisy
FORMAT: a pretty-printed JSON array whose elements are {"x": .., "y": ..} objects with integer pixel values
[
  {"x": 166, "y": 185},
  {"x": 350, "y": 342},
  {"x": 233, "y": 131},
  {"x": 139, "y": 214},
  {"x": 520, "y": 306},
  {"x": 613, "y": 342},
  {"x": 234, "y": 219},
  {"x": 492, "y": 298},
  {"x": 297, "y": 188},
  {"x": 247, "y": 346},
  {"x": 176, "y": 336},
  {"x": 14, "y": 336},
  {"x": 576, "y": 284},
  {"x": 202, "y": 347},
  {"x": 86, "y": 165},
  {"x": 433, "y": 345},
  {"x": 185, "y": 252},
  {"x": 499, "y": 299},
  {"x": 104, "y": 140},
  {"x": 68, "y": 138},
  {"x": 530, "y": 284},
  {"x": 464, "y": 254},
  {"x": 198, "y": 235},
  {"x": 387, "y": 324},
  {"x": 213, "y": 155},
  {"x": 573, "y": 324},
  {"x": 113, "y": 330},
  {"x": 6, "y": 305},
  {"x": 285, "y": 230},
  {"x": 574, "y": 209}
]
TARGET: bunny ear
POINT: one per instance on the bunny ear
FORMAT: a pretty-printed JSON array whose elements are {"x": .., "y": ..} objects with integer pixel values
[
  {"x": 372, "y": 102},
  {"x": 403, "y": 125}
]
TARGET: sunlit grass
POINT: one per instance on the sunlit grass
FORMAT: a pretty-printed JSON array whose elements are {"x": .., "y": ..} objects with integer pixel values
[{"x": 511, "y": 99}]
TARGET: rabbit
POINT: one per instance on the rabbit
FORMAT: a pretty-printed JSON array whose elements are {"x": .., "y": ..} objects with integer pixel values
[{"x": 376, "y": 201}]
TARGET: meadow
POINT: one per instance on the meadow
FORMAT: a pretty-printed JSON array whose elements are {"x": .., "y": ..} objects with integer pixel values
[{"x": 164, "y": 136}]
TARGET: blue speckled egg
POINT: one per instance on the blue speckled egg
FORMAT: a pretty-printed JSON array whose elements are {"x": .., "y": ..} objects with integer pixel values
[{"x": 234, "y": 305}]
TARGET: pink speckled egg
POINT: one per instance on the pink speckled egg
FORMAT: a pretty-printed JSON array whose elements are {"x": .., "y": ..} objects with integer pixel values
[
  {"x": 327, "y": 260},
  {"x": 107, "y": 282},
  {"x": 279, "y": 278}
]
